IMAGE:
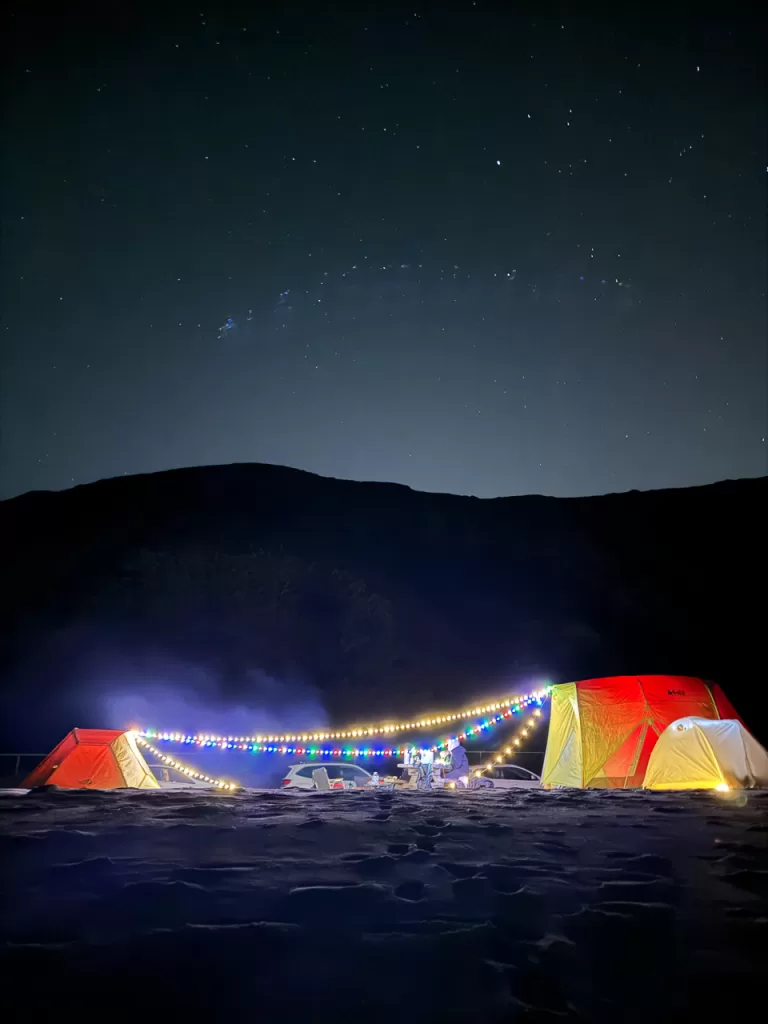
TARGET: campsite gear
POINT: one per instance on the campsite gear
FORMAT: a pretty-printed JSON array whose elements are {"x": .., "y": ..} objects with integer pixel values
[
  {"x": 602, "y": 731},
  {"x": 348, "y": 775},
  {"x": 94, "y": 759},
  {"x": 321, "y": 780},
  {"x": 699, "y": 753},
  {"x": 480, "y": 782}
]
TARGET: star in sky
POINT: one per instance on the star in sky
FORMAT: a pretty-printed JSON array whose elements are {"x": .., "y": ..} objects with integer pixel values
[{"x": 527, "y": 257}]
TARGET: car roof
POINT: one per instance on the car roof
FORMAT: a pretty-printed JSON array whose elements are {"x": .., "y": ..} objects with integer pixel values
[{"x": 327, "y": 764}]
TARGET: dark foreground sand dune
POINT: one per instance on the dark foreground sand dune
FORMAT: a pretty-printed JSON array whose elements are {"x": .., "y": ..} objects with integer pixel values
[{"x": 484, "y": 907}]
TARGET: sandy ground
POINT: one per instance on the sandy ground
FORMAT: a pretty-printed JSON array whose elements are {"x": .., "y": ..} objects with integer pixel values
[{"x": 483, "y": 907}]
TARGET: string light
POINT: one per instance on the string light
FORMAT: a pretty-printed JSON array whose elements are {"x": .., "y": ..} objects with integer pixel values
[
  {"x": 529, "y": 725},
  {"x": 274, "y": 745},
  {"x": 498, "y": 711},
  {"x": 183, "y": 768},
  {"x": 242, "y": 743},
  {"x": 260, "y": 748}
]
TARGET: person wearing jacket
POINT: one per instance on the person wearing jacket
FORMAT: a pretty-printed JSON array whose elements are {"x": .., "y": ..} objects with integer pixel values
[{"x": 458, "y": 772}]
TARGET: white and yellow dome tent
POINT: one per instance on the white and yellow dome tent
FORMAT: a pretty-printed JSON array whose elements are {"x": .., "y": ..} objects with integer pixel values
[
  {"x": 602, "y": 731},
  {"x": 702, "y": 753}
]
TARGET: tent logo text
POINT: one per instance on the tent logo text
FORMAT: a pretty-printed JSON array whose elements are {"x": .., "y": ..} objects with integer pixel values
[{"x": 676, "y": 693}]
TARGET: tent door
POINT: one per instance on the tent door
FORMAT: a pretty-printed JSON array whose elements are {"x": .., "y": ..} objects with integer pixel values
[{"x": 636, "y": 757}]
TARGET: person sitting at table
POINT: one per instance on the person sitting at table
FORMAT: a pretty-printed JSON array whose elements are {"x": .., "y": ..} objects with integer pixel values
[
  {"x": 426, "y": 760},
  {"x": 458, "y": 772}
]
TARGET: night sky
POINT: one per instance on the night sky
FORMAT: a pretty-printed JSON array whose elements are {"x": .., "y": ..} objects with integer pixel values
[{"x": 447, "y": 245}]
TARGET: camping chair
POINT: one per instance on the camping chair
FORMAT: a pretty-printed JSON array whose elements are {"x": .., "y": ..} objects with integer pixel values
[{"x": 320, "y": 779}]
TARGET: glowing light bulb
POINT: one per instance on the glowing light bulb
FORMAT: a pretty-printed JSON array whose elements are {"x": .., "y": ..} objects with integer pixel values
[
  {"x": 722, "y": 787},
  {"x": 509, "y": 706}
]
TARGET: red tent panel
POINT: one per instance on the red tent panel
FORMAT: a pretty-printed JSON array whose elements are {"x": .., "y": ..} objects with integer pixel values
[
  {"x": 88, "y": 759},
  {"x": 602, "y": 731},
  {"x": 89, "y": 767},
  {"x": 622, "y": 717}
]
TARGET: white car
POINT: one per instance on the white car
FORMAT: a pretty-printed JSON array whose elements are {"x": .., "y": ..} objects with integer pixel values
[
  {"x": 341, "y": 775},
  {"x": 512, "y": 776}
]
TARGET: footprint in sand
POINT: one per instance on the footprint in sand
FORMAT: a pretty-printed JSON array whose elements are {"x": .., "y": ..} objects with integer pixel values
[
  {"x": 651, "y": 890},
  {"x": 475, "y": 892},
  {"x": 555, "y": 846},
  {"x": 417, "y": 857},
  {"x": 411, "y": 891},
  {"x": 371, "y": 867},
  {"x": 398, "y": 849},
  {"x": 650, "y": 862},
  {"x": 503, "y": 878},
  {"x": 495, "y": 828},
  {"x": 751, "y": 880},
  {"x": 460, "y": 870},
  {"x": 339, "y": 905}
]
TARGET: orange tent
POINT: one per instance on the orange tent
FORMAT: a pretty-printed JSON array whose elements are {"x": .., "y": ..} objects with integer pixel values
[
  {"x": 94, "y": 759},
  {"x": 602, "y": 731}
]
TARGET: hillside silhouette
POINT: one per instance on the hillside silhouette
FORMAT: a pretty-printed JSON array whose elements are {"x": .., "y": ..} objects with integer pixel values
[{"x": 378, "y": 599}]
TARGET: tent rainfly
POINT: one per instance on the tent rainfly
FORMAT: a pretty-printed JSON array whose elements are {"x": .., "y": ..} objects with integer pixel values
[
  {"x": 698, "y": 753},
  {"x": 94, "y": 759},
  {"x": 602, "y": 731}
]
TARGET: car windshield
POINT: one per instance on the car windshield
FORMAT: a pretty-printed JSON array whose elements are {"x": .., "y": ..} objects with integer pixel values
[{"x": 513, "y": 771}]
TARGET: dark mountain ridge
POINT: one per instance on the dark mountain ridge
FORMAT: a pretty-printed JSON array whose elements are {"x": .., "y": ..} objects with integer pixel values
[{"x": 386, "y": 600}]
